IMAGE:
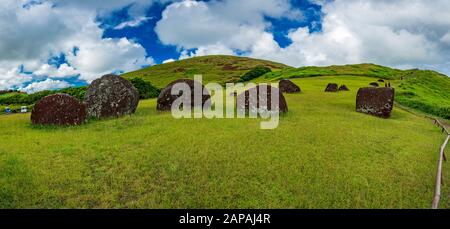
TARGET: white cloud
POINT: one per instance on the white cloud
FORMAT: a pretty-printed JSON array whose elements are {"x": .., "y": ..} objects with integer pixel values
[
  {"x": 136, "y": 8},
  {"x": 391, "y": 33},
  {"x": 12, "y": 76},
  {"x": 225, "y": 24},
  {"x": 168, "y": 61},
  {"x": 47, "y": 84},
  {"x": 446, "y": 38},
  {"x": 133, "y": 23},
  {"x": 31, "y": 35},
  {"x": 50, "y": 70},
  {"x": 214, "y": 49},
  {"x": 98, "y": 57}
]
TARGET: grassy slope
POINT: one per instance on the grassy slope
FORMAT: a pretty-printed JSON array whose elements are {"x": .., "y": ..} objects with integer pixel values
[
  {"x": 369, "y": 70},
  {"x": 221, "y": 69},
  {"x": 323, "y": 155},
  {"x": 426, "y": 91}
]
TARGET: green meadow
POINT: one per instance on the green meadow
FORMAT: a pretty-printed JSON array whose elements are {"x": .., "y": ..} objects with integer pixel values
[{"x": 322, "y": 155}]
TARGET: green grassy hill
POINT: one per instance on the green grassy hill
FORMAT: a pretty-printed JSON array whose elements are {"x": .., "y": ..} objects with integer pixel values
[
  {"x": 369, "y": 70},
  {"x": 220, "y": 69},
  {"x": 423, "y": 90},
  {"x": 427, "y": 91}
]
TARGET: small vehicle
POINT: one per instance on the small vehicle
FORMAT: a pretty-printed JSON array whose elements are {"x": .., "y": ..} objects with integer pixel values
[
  {"x": 7, "y": 110},
  {"x": 23, "y": 109}
]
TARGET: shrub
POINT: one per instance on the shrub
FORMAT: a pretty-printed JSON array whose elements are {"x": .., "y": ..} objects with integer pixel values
[
  {"x": 14, "y": 99},
  {"x": 77, "y": 92},
  {"x": 146, "y": 89},
  {"x": 440, "y": 111},
  {"x": 29, "y": 99},
  {"x": 255, "y": 73},
  {"x": 2, "y": 92}
]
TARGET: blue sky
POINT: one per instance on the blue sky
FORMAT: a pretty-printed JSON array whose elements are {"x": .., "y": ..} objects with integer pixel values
[
  {"x": 144, "y": 34},
  {"x": 50, "y": 44},
  {"x": 147, "y": 37}
]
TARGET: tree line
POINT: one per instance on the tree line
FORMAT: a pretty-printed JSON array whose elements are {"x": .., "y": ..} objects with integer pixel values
[{"x": 146, "y": 91}]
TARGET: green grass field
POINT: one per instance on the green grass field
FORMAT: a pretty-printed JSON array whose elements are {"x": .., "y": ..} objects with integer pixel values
[{"x": 323, "y": 155}]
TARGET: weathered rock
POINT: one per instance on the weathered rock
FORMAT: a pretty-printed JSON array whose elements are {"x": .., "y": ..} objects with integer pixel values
[
  {"x": 265, "y": 100},
  {"x": 377, "y": 101},
  {"x": 331, "y": 87},
  {"x": 343, "y": 87},
  {"x": 58, "y": 109},
  {"x": 165, "y": 98},
  {"x": 111, "y": 96},
  {"x": 375, "y": 84},
  {"x": 287, "y": 86}
]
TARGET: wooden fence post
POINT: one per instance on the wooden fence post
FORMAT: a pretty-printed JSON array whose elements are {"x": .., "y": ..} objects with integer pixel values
[{"x": 437, "y": 191}]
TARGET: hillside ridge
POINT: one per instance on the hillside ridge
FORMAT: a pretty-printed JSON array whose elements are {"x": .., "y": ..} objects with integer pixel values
[{"x": 215, "y": 68}]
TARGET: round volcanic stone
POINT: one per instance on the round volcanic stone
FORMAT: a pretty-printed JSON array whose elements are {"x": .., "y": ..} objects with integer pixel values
[
  {"x": 260, "y": 100},
  {"x": 377, "y": 101},
  {"x": 343, "y": 87},
  {"x": 331, "y": 87},
  {"x": 165, "y": 98},
  {"x": 58, "y": 109},
  {"x": 287, "y": 86},
  {"x": 111, "y": 96}
]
